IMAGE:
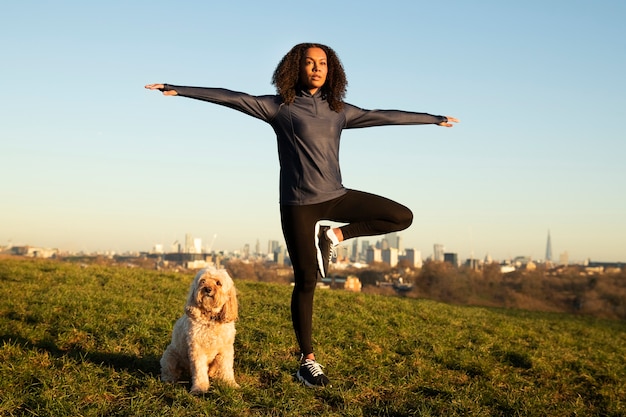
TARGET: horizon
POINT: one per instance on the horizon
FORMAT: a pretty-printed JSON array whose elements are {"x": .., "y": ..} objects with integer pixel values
[{"x": 373, "y": 241}]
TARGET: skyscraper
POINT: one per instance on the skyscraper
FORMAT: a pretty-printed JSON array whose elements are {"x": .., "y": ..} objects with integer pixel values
[
  {"x": 438, "y": 250},
  {"x": 549, "y": 249},
  {"x": 354, "y": 255},
  {"x": 373, "y": 255},
  {"x": 414, "y": 257},
  {"x": 392, "y": 239},
  {"x": 390, "y": 256},
  {"x": 273, "y": 246},
  {"x": 451, "y": 258}
]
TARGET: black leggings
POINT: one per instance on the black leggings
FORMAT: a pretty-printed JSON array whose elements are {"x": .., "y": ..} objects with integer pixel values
[{"x": 365, "y": 214}]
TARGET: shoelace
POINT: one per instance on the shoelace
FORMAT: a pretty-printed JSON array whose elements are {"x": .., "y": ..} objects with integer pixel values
[
  {"x": 313, "y": 367},
  {"x": 332, "y": 253}
]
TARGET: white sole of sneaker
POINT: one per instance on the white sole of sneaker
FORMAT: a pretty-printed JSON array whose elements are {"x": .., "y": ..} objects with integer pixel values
[
  {"x": 308, "y": 384},
  {"x": 320, "y": 259}
]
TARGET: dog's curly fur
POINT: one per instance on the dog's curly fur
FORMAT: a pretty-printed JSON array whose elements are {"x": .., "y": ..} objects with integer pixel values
[{"x": 203, "y": 338}]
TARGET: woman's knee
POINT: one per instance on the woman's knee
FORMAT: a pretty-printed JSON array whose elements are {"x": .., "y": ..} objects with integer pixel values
[
  {"x": 305, "y": 280},
  {"x": 405, "y": 219}
]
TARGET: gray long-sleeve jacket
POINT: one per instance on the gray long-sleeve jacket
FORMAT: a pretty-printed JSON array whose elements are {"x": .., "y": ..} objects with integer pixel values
[{"x": 308, "y": 134}]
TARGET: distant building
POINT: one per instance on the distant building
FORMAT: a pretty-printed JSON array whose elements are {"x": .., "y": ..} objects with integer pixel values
[
  {"x": 549, "y": 249},
  {"x": 272, "y": 246},
  {"x": 341, "y": 252},
  {"x": 530, "y": 266},
  {"x": 392, "y": 239},
  {"x": 612, "y": 265},
  {"x": 521, "y": 261},
  {"x": 185, "y": 258},
  {"x": 354, "y": 254},
  {"x": 198, "y": 264},
  {"x": 197, "y": 245},
  {"x": 472, "y": 263},
  {"x": 451, "y": 258},
  {"x": 414, "y": 257},
  {"x": 352, "y": 284},
  {"x": 373, "y": 255},
  {"x": 438, "y": 251},
  {"x": 365, "y": 244},
  {"x": 189, "y": 243},
  {"x": 279, "y": 257},
  {"x": 34, "y": 252},
  {"x": 390, "y": 256}
]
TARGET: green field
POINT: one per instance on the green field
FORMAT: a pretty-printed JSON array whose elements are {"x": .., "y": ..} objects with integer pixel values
[{"x": 85, "y": 340}]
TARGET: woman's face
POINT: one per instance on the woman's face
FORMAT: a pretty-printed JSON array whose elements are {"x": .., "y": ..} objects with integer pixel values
[{"x": 313, "y": 69}]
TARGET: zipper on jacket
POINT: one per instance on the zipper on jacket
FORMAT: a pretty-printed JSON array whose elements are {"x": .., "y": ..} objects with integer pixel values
[{"x": 314, "y": 97}]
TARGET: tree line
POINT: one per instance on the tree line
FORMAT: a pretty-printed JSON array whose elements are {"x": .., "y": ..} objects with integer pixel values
[{"x": 567, "y": 289}]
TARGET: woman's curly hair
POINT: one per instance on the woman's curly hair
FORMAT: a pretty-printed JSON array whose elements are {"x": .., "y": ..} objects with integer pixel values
[{"x": 286, "y": 76}]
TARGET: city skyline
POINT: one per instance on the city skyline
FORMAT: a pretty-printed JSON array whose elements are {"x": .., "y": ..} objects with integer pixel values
[
  {"x": 93, "y": 161},
  {"x": 192, "y": 244}
]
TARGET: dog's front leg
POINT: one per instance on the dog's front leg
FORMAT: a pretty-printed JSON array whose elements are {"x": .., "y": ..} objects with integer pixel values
[
  {"x": 222, "y": 366},
  {"x": 199, "y": 372}
]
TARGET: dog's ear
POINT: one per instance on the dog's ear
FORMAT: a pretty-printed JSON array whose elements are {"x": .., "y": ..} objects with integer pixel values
[
  {"x": 230, "y": 310},
  {"x": 192, "y": 295}
]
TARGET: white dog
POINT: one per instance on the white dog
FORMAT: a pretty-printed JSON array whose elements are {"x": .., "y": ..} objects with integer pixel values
[{"x": 202, "y": 339}]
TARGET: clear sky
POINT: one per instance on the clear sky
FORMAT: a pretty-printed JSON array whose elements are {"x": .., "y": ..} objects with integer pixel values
[{"x": 90, "y": 160}]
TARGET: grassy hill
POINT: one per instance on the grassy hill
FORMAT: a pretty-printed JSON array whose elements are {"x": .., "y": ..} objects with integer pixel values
[{"x": 85, "y": 340}]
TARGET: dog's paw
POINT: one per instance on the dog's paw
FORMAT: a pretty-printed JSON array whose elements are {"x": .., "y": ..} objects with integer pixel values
[
  {"x": 198, "y": 391},
  {"x": 232, "y": 384}
]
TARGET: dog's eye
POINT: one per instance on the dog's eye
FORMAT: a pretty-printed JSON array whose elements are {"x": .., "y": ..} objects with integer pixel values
[
  {"x": 202, "y": 281},
  {"x": 218, "y": 283}
]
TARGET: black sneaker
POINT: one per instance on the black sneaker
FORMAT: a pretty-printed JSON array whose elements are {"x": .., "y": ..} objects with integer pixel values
[
  {"x": 324, "y": 248},
  {"x": 311, "y": 374}
]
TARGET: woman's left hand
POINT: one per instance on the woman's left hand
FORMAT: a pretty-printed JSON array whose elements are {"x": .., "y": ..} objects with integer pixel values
[{"x": 449, "y": 122}]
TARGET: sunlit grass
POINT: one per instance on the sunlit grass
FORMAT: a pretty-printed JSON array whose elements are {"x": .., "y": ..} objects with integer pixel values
[{"x": 86, "y": 340}]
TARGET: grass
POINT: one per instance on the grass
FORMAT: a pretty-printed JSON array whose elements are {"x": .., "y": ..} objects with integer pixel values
[{"x": 78, "y": 340}]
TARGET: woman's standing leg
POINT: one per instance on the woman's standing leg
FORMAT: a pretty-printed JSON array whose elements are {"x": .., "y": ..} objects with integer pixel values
[{"x": 298, "y": 223}]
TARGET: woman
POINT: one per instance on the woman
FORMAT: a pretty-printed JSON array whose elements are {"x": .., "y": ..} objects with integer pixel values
[{"x": 308, "y": 115}]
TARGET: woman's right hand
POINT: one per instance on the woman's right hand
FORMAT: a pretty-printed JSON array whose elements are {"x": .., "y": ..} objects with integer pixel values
[{"x": 160, "y": 87}]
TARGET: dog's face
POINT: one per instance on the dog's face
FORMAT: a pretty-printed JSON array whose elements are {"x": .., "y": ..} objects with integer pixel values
[{"x": 212, "y": 296}]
